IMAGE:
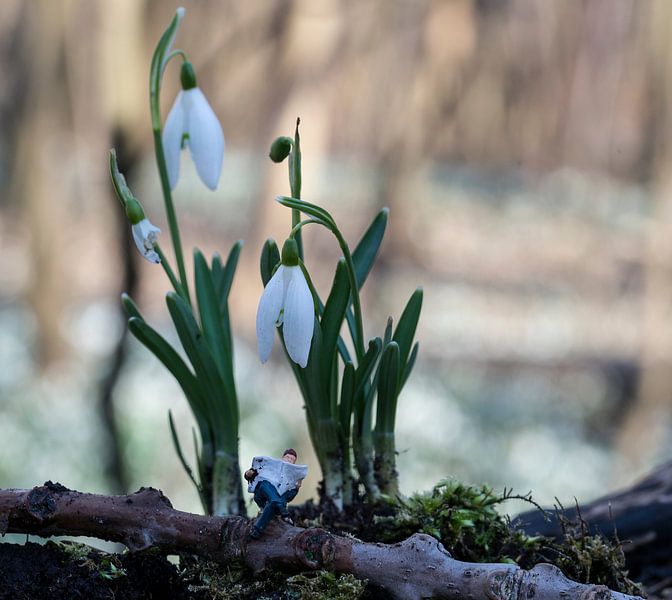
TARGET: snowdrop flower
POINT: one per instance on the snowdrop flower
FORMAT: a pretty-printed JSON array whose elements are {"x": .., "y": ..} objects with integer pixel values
[
  {"x": 144, "y": 233},
  {"x": 286, "y": 301},
  {"x": 191, "y": 122}
]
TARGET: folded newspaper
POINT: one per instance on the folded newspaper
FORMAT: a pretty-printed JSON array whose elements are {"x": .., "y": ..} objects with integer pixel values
[{"x": 283, "y": 475}]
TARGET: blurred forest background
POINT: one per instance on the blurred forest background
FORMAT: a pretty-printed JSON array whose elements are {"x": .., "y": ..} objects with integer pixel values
[{"x": 524, "y": 149}]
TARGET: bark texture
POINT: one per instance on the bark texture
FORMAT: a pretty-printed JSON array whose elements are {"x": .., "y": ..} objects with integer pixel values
[{"x": 417, "y": 568}]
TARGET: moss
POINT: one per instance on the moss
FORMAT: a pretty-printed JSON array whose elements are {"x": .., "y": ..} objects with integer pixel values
[
  {"x": 466, "y": 521},
  {"x": 211, "y": 581},
  {"x": 324, "y": 585},
  {"x": 592, "y": 558}
]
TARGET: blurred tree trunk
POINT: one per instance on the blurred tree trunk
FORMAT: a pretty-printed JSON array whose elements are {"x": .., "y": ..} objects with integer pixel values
[
  {"x": 38, "y": 176},
  {"x": 645, "y": 433}
]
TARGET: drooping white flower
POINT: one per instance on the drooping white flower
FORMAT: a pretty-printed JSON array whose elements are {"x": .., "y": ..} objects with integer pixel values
[
  {"x": 286, "y": 301},
  {"x": 192, "y": 122},
  {"x": 144, "y": 234}
]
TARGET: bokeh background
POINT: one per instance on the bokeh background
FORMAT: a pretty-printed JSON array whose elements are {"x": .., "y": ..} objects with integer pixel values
[{"x": 523, "y": 148}]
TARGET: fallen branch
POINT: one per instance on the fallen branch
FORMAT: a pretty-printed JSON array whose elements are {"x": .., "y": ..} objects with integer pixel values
[{"x": 417, "y": 568}]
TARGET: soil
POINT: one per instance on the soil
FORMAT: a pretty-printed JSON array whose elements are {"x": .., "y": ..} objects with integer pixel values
[
  {"x": 59, "y": 571},
  {"x": 70, "y": 571}
]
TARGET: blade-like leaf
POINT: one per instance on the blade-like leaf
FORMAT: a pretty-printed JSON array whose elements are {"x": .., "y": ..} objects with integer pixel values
[
  {"x": 270, "y": 258},
  {"x": 407, "y": 324},
  {"x": 366, "y": 365},
  {"x": 342, "y": 348},
  {"x": 222, "y": 409},
  {"x": 223, "y": 285},
  {"x": 366, "y": 251},
  {"x": 216, "y": 269},
  {"x": 130, "y": 307},
  {"x": 332, "y": 318},
  {"x": 409, "y": 365},
  {"x": 388, "y": 378},
  {"x": 158, "y": 346},
  {"x": 180, "y": 455},
  {"x": 347, "y": 401},
  {"x": 387, "y": 336},
  {"x": 211, "y": 323}
]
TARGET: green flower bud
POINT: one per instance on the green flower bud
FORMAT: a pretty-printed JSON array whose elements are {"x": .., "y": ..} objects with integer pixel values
[
  {"x": 280, "y": 148},
  {"x": 290, "y": 253},
  {"x": 134, "y": 211},
  {"x": 187, "y": 76}
]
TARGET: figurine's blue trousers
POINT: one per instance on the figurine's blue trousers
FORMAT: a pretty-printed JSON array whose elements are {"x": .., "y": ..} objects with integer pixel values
[{"x": 271, "y": 503}]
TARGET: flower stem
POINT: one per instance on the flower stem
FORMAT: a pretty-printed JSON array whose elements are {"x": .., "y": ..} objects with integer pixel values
[
  {"x": 177, "y": 286},
  {"x": 354, "y": 294},
  {"x": 358, "y": 338},
  {"x": 295, "y": 184},
  {"x": 170, "y": 210}
]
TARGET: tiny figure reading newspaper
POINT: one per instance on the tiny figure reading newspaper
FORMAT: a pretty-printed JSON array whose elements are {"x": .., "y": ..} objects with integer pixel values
[{"x": 274, "y": 483}]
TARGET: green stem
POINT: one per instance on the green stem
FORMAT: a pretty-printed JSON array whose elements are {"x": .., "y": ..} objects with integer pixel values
[
  {"x": 168, "y": 201},
  {"x": 296, "y": 220},
  {"x": 177, "y": 286},
  {"x": 354, "y": 293},
  {"x": 295, "y": 183},
  {"x": 352, "y": 276},
  {"x": 173, "y": 54},
  {"x": 296, "y": 229}
]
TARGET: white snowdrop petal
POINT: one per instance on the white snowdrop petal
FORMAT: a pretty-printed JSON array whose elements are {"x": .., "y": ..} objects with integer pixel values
[
  {"x": 173, "y": 131},
  {"x": 206, "y": 138},
  {"x": 299, "y": 318},
  {"x": 144, "y": 235},
  {"x": 268, "y": 310}
]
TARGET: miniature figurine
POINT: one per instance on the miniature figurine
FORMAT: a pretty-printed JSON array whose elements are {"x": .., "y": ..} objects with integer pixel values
[{"x": 274, "y": 483}]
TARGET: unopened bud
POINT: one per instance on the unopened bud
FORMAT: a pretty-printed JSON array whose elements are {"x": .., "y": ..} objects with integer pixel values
[
  {"x": 290, "y": 253},
  {"x": 134, "y": 211},
  {"x": 187, "y": 76},
  {"x": 280, "y": 149}
]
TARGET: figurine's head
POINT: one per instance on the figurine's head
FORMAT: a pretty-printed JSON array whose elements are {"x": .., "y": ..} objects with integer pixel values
[{"x": 289, "y": 456}]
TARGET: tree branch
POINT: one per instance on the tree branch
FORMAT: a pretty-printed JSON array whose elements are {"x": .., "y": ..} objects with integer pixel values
[{"x": 417, "y": 568}]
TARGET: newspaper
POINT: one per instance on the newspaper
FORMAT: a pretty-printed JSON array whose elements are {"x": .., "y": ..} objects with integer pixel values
[{"x": 283, "y": 475}]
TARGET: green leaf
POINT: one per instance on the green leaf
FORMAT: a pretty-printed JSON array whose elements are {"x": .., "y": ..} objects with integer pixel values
[
  {"x": 223, "y": 283},
  {"x": 347, "y": 401},
  {"x": 388, "y": 378},
  {"x": 332, "y": 318},
  {"x": 222, "y": 409},
  {"x": 366, "y": 365},
  {"x": 180, "y": 455},
  {"x": 364, "y": 256},
  {"x": 216, "y": 269},
  {"x": 387, "y": 336},
  {"x": 211, "y": 323},
  {"x": 408, "y": 322},
  {"x": 366, "y": 251},
  {"x": 270, "y": 258},
  {"x": 342, "y": 348},
  {"x": 158, "y": 346},
  {"x": 317, "y": 212},
  {"x": 409, "y": 365},
  {"x": 130, "y": 307}
]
